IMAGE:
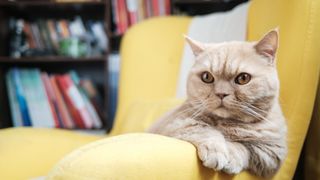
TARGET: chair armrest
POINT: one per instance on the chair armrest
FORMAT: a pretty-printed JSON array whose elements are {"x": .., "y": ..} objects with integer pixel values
[{"x": 136, "y": 156}]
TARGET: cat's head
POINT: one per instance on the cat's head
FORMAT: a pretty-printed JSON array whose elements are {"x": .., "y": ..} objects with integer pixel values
[{"x": 234, "y": 79}]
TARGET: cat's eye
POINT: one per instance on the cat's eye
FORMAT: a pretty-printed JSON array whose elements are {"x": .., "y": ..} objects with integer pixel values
[
  {"x": 243, "y": 78},
  {"x": 207, "y": 77}
]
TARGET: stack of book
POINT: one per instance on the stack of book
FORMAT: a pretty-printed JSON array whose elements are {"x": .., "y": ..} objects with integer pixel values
[
  {"x": 61, "y": 101},
  {"x": 49, "y": 37},
  {"x": 130, "y": 12}
]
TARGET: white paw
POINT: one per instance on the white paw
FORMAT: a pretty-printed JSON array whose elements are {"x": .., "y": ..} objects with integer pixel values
[
  {"x": 234, "y": 166},
  {"x": 232, "y": 169},
  {"x": 213, "y": 156}
]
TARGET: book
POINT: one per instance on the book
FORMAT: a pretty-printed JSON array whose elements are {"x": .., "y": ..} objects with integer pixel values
[
  {"x": 36, "y": 33},
  {"x": 123, "y": 24},
  {"x": 36, "y": 99},
  {"x": 52, "y": 100},
  {"x": 13, "y": 101},
  {"x": 30, "y": 37},
  {"x": 21, "y": 97},
  {"x": 61, "y": 105},
  {"x": 75, "y": 102},
  {"x": 155, "y": 8},
  {"x": 100, "y": 35},
  {"x": 53, "y": 34},
  {"x": 94, "y": 96},
  {"x": 132, "y": 6},
  {"x": 97, "y": 123},
  {"x": 63, "y": 26}
]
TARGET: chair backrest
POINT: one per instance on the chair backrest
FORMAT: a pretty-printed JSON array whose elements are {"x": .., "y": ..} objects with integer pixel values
[
  {"x": 151, "y": 53},
  {"x": 298, "y": 62},
  {"x": 150, "y": 60}
]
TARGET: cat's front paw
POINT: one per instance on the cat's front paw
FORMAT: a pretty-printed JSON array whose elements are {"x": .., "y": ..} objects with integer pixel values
[
  {"x": 233, "y": 167},
  {"x": 214, "y": 156}
]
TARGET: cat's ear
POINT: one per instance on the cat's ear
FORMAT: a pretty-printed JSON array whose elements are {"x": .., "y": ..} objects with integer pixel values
[
  {"x": 196, "y": 47},
  {"x": 268, "y": 45}
]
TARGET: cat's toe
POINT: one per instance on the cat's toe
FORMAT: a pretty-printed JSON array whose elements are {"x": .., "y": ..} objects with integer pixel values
[
  {"x": 232, "y": 169},
  {"x": 213, "y": 158}
]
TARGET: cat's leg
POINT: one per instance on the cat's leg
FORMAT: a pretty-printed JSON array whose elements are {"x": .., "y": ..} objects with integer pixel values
[
  {"x": 238, "y": 158},
  {"x": 265, "y": 160},
  {"x": 210, "y": 143}
]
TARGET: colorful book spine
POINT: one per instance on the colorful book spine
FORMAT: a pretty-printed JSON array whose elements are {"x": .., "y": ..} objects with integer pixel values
[
  {"x": 89, "y": 107},
  {"x": 36, "y": 99},
  {"x": 21, "y": 97},
  {"x": 75, "y": 102},
  {"x": 62, "y": 107},
  {"x": 13, "y": 101},
  {"x": 52, "y": 101}
]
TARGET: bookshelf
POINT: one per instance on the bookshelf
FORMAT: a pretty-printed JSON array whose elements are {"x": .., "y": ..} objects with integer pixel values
[
  {"x": 202, "y": 7},
  {"x": 94, "y": 68}
]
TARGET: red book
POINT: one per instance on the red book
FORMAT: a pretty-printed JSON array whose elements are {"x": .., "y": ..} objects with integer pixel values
[
  {"x": 148, "y": 8},
  {"x": 168, "y": 7},
  {"x": 62, "y": 108},
  {"x": 49, "y": 94},
  {"x": 74, "y": 102},
  {"x": 155, "y": 8},
  {"x": 123, "y": 17},
  {"x": 132, "y": 6}
]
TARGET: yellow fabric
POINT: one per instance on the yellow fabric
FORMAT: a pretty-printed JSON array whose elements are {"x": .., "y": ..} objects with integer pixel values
[
  {"x": 150, "y": 61},
  {"x": 136, "y": 157},
  {"x": 27, "y": 153}
]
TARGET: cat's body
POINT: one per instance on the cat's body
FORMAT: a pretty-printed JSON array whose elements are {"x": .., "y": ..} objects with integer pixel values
[{"x": 232, "y": 114}]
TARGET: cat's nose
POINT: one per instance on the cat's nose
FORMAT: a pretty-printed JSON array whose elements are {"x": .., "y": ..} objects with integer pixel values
[{"x": 222, "y": 95}]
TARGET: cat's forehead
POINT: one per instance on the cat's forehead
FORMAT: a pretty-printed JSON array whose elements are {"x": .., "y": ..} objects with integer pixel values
[{"x": 229, "y": 58}]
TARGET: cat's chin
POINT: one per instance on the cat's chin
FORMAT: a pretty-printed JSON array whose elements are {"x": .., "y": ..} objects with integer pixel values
[{"x": 222, "y": 112}]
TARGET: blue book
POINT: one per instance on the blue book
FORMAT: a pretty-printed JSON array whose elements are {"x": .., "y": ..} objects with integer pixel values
[
  {"x": 16, "y": 114},
  {"x": 21, "y": 97}
]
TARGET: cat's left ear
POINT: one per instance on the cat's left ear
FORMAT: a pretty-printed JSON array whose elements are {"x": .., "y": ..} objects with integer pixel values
[
  {"x": 268, "y": 45},
  {"x": 196, "y": 47}
]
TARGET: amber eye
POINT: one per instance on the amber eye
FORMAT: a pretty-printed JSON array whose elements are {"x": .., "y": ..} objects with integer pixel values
[
  {"x": 243, "y": 78},
  {"x": 207, "y": 77}
]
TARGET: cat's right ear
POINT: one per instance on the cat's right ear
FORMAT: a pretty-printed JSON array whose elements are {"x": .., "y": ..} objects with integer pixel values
[{"x": 196, "y": 47}]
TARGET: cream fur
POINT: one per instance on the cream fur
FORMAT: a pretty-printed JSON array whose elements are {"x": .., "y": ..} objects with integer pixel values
[{"x": 245, "y": 130}]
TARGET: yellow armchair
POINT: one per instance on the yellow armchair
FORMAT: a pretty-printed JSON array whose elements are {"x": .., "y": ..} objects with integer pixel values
[{"x": 151, "y": 53}]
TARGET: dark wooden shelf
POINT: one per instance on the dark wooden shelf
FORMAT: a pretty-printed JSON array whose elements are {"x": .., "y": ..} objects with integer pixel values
[
  {"x": 50, "y": 59},
  {"x": 196, "y": 1},
  {"x": 49, "y": 3}
]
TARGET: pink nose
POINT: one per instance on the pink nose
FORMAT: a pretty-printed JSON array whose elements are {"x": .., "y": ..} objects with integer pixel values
[{"x": 222, "y": 95}]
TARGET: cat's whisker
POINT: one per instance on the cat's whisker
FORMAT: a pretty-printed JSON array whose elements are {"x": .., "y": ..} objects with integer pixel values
[
  {"x": 199, "y": 110},
  {"x": 254, "y": 107},
  {"x": 197, "y": 105},
  {"x": 251, "y": 112}
]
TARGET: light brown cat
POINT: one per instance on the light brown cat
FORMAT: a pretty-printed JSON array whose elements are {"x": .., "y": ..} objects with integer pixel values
[{"x": 232, "y": 113}]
